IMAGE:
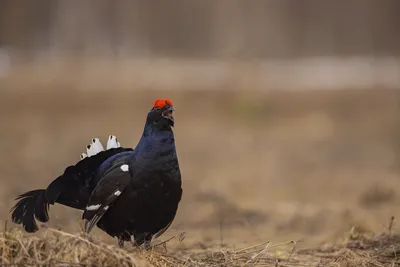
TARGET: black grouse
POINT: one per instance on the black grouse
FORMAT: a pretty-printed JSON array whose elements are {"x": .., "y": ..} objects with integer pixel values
[{"x": 131, "y": 194}]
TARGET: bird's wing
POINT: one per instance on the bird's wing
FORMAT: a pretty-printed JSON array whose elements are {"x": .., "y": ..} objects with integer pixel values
[
  {"x": 112, "y": 184},
  {"x": 73, "y": 188}
]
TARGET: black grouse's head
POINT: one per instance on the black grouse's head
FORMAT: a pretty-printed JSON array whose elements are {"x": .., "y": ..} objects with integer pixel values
[{"x": 160, "y": 116}]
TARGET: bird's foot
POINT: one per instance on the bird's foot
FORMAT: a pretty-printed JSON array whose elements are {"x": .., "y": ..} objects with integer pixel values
[{"x": 147, "y": 245}]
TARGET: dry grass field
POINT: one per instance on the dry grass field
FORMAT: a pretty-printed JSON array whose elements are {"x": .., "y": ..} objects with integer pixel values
[{"x": 320, "y": 169}]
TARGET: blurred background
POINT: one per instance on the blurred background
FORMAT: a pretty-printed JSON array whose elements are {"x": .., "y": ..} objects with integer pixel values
[{"x": 287, "y": 112}]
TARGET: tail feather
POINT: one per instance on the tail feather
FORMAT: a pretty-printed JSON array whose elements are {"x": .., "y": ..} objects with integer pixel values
[
  {"x": 42, "y": 209},
  {"x": 71, "y": 189},
  {"x": 30, "y": 205}
]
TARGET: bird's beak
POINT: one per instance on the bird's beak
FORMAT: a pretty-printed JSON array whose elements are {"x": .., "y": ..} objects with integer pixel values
[{"x": 168, "y": 114}]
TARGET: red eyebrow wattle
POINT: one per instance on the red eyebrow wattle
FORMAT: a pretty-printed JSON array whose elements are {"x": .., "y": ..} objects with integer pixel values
[{"x": 160, "y": 103}]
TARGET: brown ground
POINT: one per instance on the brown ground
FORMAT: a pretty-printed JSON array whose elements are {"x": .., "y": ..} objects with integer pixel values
[{"x": 280, "y": 166}]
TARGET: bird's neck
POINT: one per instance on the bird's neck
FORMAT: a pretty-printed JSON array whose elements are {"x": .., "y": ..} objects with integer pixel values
[
  {"x": 152, "y": 134},
  {"x": 156, "y": 151},
  {"x": 154, "y": 129}
]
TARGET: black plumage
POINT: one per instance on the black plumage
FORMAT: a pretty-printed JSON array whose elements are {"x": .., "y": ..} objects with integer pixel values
[{"x": 128, "y": 193}]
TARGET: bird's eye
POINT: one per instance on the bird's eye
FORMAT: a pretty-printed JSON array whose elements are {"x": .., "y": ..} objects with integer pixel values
[{"x": 157, "y": 108}]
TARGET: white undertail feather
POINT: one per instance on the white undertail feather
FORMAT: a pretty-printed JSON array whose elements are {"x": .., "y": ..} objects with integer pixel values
[
  {"x": 112, "y": 142},
  {"x": 96, "y": 146},
  {"x": 89, "y": 150}
]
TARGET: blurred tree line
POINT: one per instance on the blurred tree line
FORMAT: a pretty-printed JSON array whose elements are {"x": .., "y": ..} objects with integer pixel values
[{"x": 201, "y": 28}]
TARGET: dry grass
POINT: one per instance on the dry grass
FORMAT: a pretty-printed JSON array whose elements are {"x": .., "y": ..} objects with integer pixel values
[
  {"x": 58, "y": 248},
  {"x": 379, "y": 250}
]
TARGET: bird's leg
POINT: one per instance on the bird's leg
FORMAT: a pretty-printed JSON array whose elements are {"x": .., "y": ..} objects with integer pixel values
[
  {"x": 120, "y": 243},
  {"x": 133, "y": 241}
]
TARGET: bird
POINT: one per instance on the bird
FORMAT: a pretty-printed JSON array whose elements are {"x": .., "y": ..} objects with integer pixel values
[{"x": 132, "y": 194}]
